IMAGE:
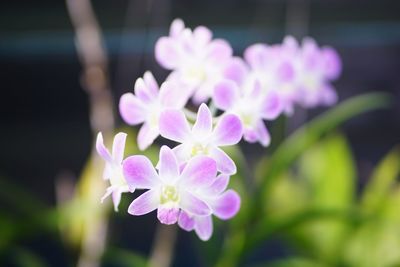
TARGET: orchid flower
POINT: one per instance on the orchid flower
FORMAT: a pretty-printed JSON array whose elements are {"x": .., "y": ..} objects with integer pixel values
[
  {"x": 224, "y": 205},
  {"x": 252, "y": 107},
  {"x": 170, "y": 190},
  {"x": 202, "y": 139},
  {"x": 113, "y": 168},
  {"x": 197, "y": 61},
  {"x": 146, "y": 105}
]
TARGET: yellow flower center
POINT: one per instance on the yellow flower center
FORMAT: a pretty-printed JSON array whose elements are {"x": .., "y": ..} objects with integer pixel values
[
  {"x": 199, "y": 149},
  {"x": 169, "y": 193}
]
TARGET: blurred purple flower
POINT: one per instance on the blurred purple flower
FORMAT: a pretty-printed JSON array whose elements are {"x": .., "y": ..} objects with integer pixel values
[
  {"x": 197, "y": 60},
  {"x": 113, "y": 168},
  {"x": 146, "y": 105}
]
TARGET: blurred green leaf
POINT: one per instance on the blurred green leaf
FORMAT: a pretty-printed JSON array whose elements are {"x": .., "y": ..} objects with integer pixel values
[
  {"x": 292, "y": 262},
  {"x": 304, "y": 137},
  {"x": 329, "y": 174},
  {"x": 124, "y": 258},
  {"x": 381, "y": 182}
]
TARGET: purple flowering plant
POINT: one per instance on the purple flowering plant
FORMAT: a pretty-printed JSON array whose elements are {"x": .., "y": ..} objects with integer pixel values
[{"x": 233, "y": 97}]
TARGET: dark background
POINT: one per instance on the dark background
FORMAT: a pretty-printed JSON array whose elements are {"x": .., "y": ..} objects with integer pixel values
[{"x": 44, "y": 111}]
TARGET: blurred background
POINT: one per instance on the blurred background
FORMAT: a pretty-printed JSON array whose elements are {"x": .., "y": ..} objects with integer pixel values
[{"x": 45, "y": 127}]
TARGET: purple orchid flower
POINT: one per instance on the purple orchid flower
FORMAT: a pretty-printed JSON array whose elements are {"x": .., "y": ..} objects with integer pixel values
[
  {"x": 202, "y": 139},
  {"x": 251, "y": 106},
  {"x": 197, "y": 60},
  {"x": 170, "y": 190},
  {"x": 146, "y": 105},
  {"x": 113, "y": 168}
]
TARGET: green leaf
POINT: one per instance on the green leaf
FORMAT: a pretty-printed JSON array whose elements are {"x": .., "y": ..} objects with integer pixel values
[
  {"x": 292, "y": 262},
  {"x": 381, "y": 181},
  {"x": 310, "y": 133},
  {"x": 329, "y": 174},
  {"x": 124, "y": 258}
]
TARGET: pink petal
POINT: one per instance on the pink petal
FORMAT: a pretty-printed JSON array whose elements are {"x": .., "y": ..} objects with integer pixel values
[
  {"x": 204, "y": 227},
  {"x": 203, "y": 125},
  {"x": 146, "y": 136},
  {"x": 151, "y": 83},
  {"x": 236, "y": 70},
  {"x": 174, "y": 126},
  {"x": 219, "y": 51},
  {"x": 202, "y": 35},
  {"x": 286, "y": 72},
  {"x": 228, "y": 131},
  {"x": 263, "y": 135},
  {"x": 333, "y": 64},
  {"x": 145, "y": 203},
  {"x": 101, "y": 149},
  {"x": 139, "y": 172},
  {"x": 167, "y": 53},
  {"x": 143, "y": 93},
  {"x": 256, "y": 56},
  {"x": 169, "y": 168},
  {"x": 172, "y": 96},
  {"x": 167, "y": 214},
  {"x": 176, "y": 28},
  {"x": 132, "y": 109},
  {"x": 199, "y": 171},
  {"x": 193, "y": 205},
  {"x": 272, "y": 106},
  {"x": 224, "y": 163},
  {"x": 226, "y": 93},
  {"x": 186, "y": 222},
  {"x": 219, "y": 185},
  {"x": 119, "y": 147},
  {"x": 108, "y": 192},
  {"x": 328, "y": 95},
  {"x": 250, "y": 135},
  {"x": 227, "y": 205},
  {"x": 182, "y": 153}
]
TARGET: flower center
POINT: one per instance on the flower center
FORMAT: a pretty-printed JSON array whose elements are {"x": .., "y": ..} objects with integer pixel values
[
  {"x": 169, "y": 193},
  {"x": 199, "y": 149},
  {"x": 195, "y": 74},
  {"x": 117, "y": 178}
]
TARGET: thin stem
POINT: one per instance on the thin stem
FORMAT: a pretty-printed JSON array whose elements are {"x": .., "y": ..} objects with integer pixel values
[{"x": 163, "y": 246}]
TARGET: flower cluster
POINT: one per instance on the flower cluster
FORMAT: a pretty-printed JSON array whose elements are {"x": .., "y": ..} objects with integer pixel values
[{"x": 233, "y": 97}]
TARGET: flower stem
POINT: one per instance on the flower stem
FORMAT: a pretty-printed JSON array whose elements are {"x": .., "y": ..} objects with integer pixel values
[{"x": 163, "y": 247}]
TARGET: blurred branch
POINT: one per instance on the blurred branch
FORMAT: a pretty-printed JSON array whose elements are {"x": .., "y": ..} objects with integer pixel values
[
  {"x": 95, "y": 80},
  {"x": 162, "y": 252}
]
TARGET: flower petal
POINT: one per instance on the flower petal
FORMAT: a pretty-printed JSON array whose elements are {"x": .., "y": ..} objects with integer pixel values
[
  {"x": 167, "y": 214},
  {"x": 186, "y": 222},
  {"x": 227, "y": 205},
  {"x": 132, "y": 109},
  {"x": 176, "y": 28},
  {"x": 146, "y": 136},
  {"x": 145, "y": 203},
  {"x": 143, "y": 92},
  {"x": 199, "y": 171},
  {"x": 256, "y": 56},
  {"x": 333, "y": 64},
  {"x": 224, "y": 163},
  {"x": 139, "y": 172},
  {"x": 172, "y": 96},
  {"x": 228, "y": 131},
  {"x": 174, "y": 126},
  {"x": 219, "y": 185},
  {"x": 236, "y": 70},
  {"x": 272, "y": 106},
  {"x": 219, "y": 51},
  {"x": 203, "y": 125},
  {"x": 263, "y": 134},
  {"x": 193, "y": 204},
  {"x": 202, "y": 36},
  {"x": 119, "y": 147},
  {"x": 182, "y": 153},
  {"x": 204, "y": 227},
  {"x": 169, "y": 168},
  {"x": 101, "y": 148},
  {"x": 167, "y": 52},
  {"x": 226, "y": 93}
]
